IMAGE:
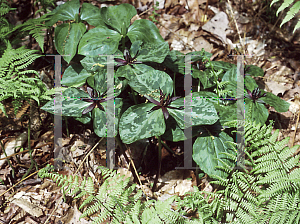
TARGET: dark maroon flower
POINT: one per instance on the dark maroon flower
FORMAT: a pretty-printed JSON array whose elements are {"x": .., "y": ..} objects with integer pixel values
[
  {"x": 95, "y": 100},
  {"x": 164, "y": 103},
  {"x": 255, "y": 95},
  {"x": 128, "y": 59}
]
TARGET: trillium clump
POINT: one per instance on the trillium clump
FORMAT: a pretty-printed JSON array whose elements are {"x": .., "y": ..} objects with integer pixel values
[{"x": 164, "y": 103}]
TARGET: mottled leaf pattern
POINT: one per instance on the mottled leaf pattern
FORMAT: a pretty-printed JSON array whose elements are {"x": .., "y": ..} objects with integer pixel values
[
  {"x": 137, "y": 123},
  {"x": 71, "y": 104},
  {"x": 203, "y": 112},
  {"x": 150, "y": 82},
  {"x": 100, "y": 118}
]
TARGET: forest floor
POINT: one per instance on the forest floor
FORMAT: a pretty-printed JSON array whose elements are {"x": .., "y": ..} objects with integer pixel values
[{"x": 187, "y": 26}]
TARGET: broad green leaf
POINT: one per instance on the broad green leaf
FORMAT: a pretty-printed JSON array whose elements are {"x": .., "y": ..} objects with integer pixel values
[
  {"x": 100, "y": 83},
  {"x": 74, "y": 76},
  {"x": 85, "y": 119},
  {"x": 67, "y": 37},
  {"x": 276, "y": 102},
  {"x": 119, "y": 16},
  {"x": 100, "y": 118},
  {"x": 172, "y": 61},
  {"x": 131, "y": 72},
  {"x": 205, "y": 94},
  {"x": 137, "y": 123},
  {"x": 226, "y": 113},
  {"x": 95, "y": 64},
  {"x": 231, "y": 76},
  {"x": 206, "y": 77},
  {"x": 71, "y": 104},
  {"x": 256, "y": 111},
  {"x": 207, "y": 151},
  {"x": 153, "y": 53},
  {"x": 64, "y": 12},
  {"x": 218, "y": 65},
  {"x": 203, "y": 112},
  {"x": 145, "y": 31},
  {"x": 254, "y": 70},
  {"x": 149, "y": 83},
  {"x": 175, "y": 134},
  {"x": 98, "y": 41},
  {"x": 91, "y": 14},
  {"x": 176, "y": 60},
  {"x": 250, "y": 83},
  {"x": 135, "y": 47}
]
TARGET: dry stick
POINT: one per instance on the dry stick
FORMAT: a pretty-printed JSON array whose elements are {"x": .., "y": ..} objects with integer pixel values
[
  {"x": 295, "y": 129},
  {"x": 74, "y": 174},
  {"x": 19, "y": 182},
  {"x": 18, "y": 153},
  {"x": 242, "y": 43},
  {"x": 136, "y": 173}
]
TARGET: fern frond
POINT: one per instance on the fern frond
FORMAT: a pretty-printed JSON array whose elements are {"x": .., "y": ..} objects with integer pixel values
[{"x": 291, "y": 14}]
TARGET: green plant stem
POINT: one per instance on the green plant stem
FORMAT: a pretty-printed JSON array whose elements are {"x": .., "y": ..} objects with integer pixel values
[
  {"x": 168, "y": 148},
  {"x": 134, "y": 99},
  {"x": 159, "y": 164},
  {"x": 174, "y": 84},
  {"x": 67, "y": 128},
  {"x": 11, "y": 166},
  {"x": 30, "y": 154},
  {"x": 119, "y": 142}
]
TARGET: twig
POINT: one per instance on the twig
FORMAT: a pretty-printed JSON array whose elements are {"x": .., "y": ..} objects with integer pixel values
[
  {"x": 295, "y": 129},
  {"x": 242, "y": 43}
]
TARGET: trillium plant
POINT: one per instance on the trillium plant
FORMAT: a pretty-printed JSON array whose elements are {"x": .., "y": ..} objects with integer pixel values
[{"x": 148, "y": 79}]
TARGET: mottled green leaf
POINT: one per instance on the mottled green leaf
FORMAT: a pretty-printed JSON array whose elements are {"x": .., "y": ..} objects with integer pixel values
[
  {"x": 136, "y": 123},
  {"x": 218, "y": 65},
  {"x": 101, "y": 118},
  {"x": 130, "y": 72},
  {"x": 71, "y": 104},
  {"x": 254, "y": 70},
  {"x": 203, "y": 112},
  {"x": 279, "y": 104},
  {"x": 153, "y": 52},
  {"x": 149, "y": 83}
]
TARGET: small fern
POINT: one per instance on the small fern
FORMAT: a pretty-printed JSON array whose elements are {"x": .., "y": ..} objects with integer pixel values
[
  {"x": 268, "y": 193},
  {"x": 291, "y": 13},
  {"x": 14, "y": 80}
]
